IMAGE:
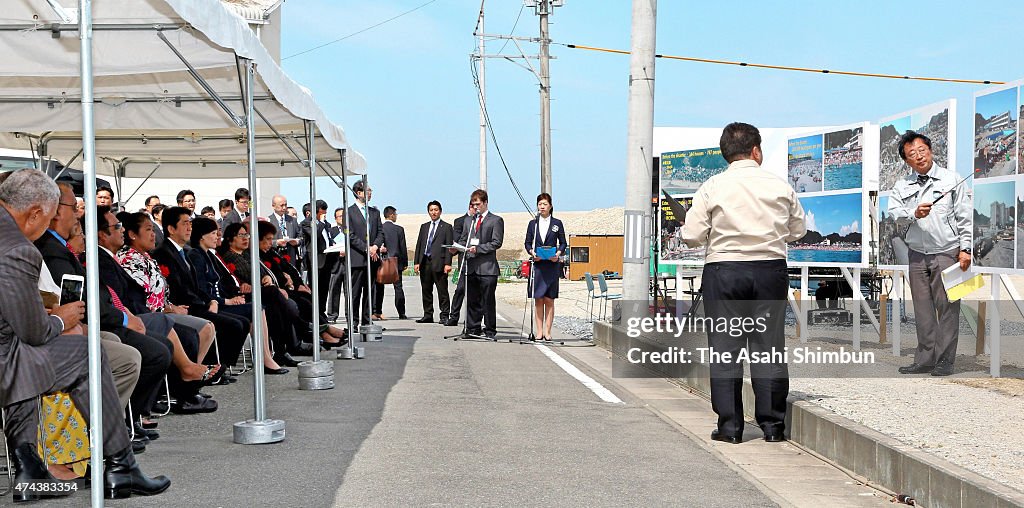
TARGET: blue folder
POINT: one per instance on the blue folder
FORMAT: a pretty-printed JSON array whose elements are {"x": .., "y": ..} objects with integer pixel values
[{"x": 546, "y": 252}]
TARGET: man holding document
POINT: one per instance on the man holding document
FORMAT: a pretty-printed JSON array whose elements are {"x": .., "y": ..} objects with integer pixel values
[{"x": 938, "y": 237}]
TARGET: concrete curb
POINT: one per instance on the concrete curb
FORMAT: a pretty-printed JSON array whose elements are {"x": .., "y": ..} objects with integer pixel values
[{"x": 882, "y": 460}]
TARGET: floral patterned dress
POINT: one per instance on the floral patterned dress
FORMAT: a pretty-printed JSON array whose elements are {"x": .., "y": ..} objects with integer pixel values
[{"x": 145, "y": 270}]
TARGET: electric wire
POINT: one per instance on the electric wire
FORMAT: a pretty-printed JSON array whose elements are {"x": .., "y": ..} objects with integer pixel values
[
  {"x": 513, "y": 30},
  {"x": 353, "y": 34},
  {"x": 788, "y": 67}
]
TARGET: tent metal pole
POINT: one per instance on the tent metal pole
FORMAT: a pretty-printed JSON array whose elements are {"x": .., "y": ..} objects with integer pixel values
[
  {"x": 259, "y": 430},
  {"x": 124, "y": 164},
  {"x": 314, "y": 223},
  {"x": 283, "y": 140},
  {"x": 103, "y": 27},
  {"x": 239, "y": 121},
  {"x": 92, "y": 275},
  {"x": 347, "y": 352}
]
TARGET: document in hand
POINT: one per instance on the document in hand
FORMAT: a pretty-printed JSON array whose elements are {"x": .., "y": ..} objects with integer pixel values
[
  {"x": 457, "y": 246},
  {"x": 340, "y": 244},
  {"x": 959, "y": 283}
]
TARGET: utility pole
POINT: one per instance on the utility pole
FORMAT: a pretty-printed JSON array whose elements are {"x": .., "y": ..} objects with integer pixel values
[
  {"x": 483, "y": 97},
  {"x": 639, "y": 146},
  {"x": 543, "y": 9}
]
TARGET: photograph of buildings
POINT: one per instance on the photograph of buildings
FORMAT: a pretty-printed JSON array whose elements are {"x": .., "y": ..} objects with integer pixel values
[
  {"x": 995, "y": 133},
  {"x": 805, "y": 163},
  {"x": 994, "y": 228}
]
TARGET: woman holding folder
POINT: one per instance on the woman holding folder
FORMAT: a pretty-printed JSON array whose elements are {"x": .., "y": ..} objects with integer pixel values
[{"x": 545, "y": 241}]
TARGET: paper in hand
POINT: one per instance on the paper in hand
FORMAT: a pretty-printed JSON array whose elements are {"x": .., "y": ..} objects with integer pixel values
[
  {"x": 457, "y": 246},
  {"x": 959, "y": 283}
]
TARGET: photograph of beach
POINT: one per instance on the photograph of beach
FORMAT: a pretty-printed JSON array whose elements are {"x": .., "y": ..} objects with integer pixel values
[
  {"x": 994, "y": 228},
  {"x": 684, "y": 171},
  {"x": 995, "y": 133},
  {"x": 844, "y": 154},
  {"x": 805, "y": 163},
  {"x": 833, "y": 230}
]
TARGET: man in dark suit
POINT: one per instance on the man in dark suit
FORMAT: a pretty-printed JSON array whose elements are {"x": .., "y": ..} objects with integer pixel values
[
  {"x": 187, "y": 199},
  {"x": 337, "y": 281},
  {"x": 239, "y": 210},
  {"x": 42, "y": 354},
  {"x": 361, "y": 253},
  {"x": 433, "y": 262},
  {"x": 60, "y": 261},
  {"x": 288, "y": 237},
  {"x": 185, "y": 292},
  {"x": 395, "y": 246},
  {"x": 460, "y": 285},
  {"x": 322, "y": 239},
  {"x": 483, "y": 234}
]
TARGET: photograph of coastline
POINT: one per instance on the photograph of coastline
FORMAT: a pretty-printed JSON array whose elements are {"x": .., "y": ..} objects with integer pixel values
[
  {"x": 892, "y": 249},
  {"x": 672, "y": 247},
  {"x": 833, "y": 230},
  {"x": 994, "y": 228},
  {"x": 995, "y": 133},
  {"x": 931, "y": 121},
  {"x": 686, "y": 170},
  {"x": 805, "y": 163},
  {"x": 844, "y": 154}
]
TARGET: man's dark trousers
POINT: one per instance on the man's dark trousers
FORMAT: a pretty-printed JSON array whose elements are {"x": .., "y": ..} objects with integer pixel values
[{"x": 755, "y": 290}]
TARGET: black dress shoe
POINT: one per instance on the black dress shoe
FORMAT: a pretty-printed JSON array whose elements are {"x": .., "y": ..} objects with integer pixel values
[
  {"x": 916, "y": 368},
  {"x": 122, "y": 478},
  {"x": 140, "y": 431},
  {"x": 286, "y": 360},
  {"x": 29, "y": 469},
  {"x": 274, "y": 372},
  {"x": 425, "y": 320},
  {"x": 304, "y": 349},
  {"x": 403, "y": 316},
  {"x": 451, "y": 322},
  {"x": 718, "y": 436},
  {"x": 941, "y": 370},
  {"x": 774, "y": 437},
  {"x": 138, "y": 447},
  {"x": 194, "y": 405},
  {"x": 159, "y": 407}
]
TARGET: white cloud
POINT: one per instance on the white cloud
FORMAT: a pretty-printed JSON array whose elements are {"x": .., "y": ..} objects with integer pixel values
[
  {"x": 852, "y": 228},
  {"x": 809, "y": 220}
]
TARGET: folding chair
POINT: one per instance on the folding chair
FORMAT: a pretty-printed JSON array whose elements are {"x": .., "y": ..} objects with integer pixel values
[
  {"x": 604, "y": 294},
  {"x": 591, "y": 296}
]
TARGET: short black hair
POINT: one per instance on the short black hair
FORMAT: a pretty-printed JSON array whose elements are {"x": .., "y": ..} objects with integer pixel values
[
  {"x": 151, "y": 198},
  {"x": 242, "y": 192},
  {"x": 434, "y": 202},
  {"x": 388, "y": 210},
  {"x": 358, "y": 187},
  {"x": 225, "y": 203},
  {"x": 305, "y": 209},
  {"x": 101, "y": 217},
  {"x": 321, "y": 205},
  {"x": 158, "y": 208},
  {"x": 264, "y": 228},
  {"x": 107, "y": 188},
  {"x": 338, "y": 209},
  {"x": 181, "y": 195},
  {"x": 207, "y": 209},
  {"x": 909, "y": 137},
  {"x": 171, "y": 216},
  {"x": 738, "y": 140}
]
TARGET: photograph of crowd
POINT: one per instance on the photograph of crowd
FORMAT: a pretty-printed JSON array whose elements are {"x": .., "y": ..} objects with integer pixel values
[
  {"x": 833, "y": 230},
  {"x": 928, "y": 121},
  {"x": 892, "y": 249},
  {"x": 994, "y": 228},
  {"x": 672, "y": 247},
  {"x": 995, "y": 133},
  {"x": 805, "y": 163},
  {"x": 844, "y": 154},
  {"x": 686, "y": 170}
]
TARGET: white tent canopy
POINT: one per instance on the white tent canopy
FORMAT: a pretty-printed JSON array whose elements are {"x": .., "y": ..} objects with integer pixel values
[{"x": 153, "y": 110}]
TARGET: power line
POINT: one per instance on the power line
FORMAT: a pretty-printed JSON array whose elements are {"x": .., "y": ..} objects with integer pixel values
[
  {"x": 513, "y": 30},
  {"x": 353, "y": 34},
  {"x": 790, "y": 68}
]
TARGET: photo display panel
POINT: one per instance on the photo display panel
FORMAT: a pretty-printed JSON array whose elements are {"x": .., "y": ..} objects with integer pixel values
[
  {"x": 680, "y": 175},
  {"x": 998, "y": 191}
]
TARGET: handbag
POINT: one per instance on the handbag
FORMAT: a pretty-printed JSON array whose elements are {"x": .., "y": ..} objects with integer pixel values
[{"x": 387, "y": 272}]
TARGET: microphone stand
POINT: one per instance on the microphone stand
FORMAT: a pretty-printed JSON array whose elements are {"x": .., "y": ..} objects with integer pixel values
[
  {"x": 529, "y": 289},
  {"x": 464, "y": 334}
]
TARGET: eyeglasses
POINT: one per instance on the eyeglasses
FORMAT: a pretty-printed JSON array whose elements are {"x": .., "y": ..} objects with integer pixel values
[
  {"x": 243, "y": 235},
  {"x": 116, "y": 226},
  {"x": 69, "y": 205}
]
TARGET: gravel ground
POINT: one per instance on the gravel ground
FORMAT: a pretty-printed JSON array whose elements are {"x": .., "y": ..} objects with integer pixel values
[{"x": 968, "y": 419}]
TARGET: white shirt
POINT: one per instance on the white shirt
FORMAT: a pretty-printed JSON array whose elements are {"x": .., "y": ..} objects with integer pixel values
[{"x": 543, "y": 225}]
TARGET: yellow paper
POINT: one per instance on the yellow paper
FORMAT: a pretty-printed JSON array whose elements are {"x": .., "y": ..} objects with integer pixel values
[{"x": 959, "y": 283}]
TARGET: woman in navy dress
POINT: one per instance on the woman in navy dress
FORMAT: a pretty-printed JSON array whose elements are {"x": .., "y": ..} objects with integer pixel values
[{"x": 545, "y": 232}]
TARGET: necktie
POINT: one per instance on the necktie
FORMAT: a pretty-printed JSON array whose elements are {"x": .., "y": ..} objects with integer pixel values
[
  {"x": 184, "y": 258},
  {"x": 284, "y": 228},
  {"x": 430, "y": 239},
  {"x": 478, "y": 221},
  {"x": 922, "y": 179},
  {"x": 115, "y": 300}
]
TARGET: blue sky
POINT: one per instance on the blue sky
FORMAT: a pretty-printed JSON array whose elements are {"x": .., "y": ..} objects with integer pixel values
[
  {"x": 838, "y": 213},
  {"x": 988, "y": 193},
  {"x": 404, "y": 93},
  {"x": 810, "y": 145},
  {"x": 998, "y": 103}
]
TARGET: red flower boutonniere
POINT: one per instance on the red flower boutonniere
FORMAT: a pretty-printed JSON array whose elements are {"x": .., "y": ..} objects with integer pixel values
[
  {"x": 231, "y": 267},
  {"x": 266, "y": 264},
  {"x": 288, "y": 257},
  {"x": 166, "y": 272}
]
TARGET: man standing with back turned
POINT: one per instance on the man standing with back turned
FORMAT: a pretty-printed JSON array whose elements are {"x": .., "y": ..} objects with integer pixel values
[
  {"x": 939, "y": 237},
  {"x": 745, "y": 216}
]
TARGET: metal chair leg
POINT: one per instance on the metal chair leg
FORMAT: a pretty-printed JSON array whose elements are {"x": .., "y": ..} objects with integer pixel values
[
  {"x": 7, "y": 455},
  {"x": 170, "y": 401}
]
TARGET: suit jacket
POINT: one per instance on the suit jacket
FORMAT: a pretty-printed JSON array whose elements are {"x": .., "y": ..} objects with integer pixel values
[
  {"x": 321, "y": 243},
  {"x": 278, "y": 268},
  {"x": 159, "y": 230},
  {"x": 207, "y": 277},
  {"x": 132, "y": 295},
  {"x": 491, "y": 234},
  {"x": 25, "y": 371},
  {"x": 291, "y": 230},
  {"x": 357, "y": 234},
  {"x": 60, "y": 261},
  {"x": 394, "y": 240},
  {"x": 554, "y": 238},
  {"x": 458, "y": 225},
  {"x": 182, "y": 281},
  {"x": 233, "y": 217},
  {"x": 439, "y": 256}
]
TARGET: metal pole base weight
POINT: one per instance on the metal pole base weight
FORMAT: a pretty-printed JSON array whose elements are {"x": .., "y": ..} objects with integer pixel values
[
  {"x": 371, "y": 333},
  {"x": 345, "y": 353},
  {"x": 259, "y": 432},
  {"x": 316, "y": 375},
  {"x": 359, "y": 352},
  {"x": 316, "y": 383}
]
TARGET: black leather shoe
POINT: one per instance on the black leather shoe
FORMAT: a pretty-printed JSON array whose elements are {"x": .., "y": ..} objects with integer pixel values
[
  {"x": 425, "y": 320},
  {"x": 304, "y": 349},
  {"x": 194, "y": 405},
  {"x": 285, "y": 360},
  {"x": 916, "y": 368},
  {"x": 774, "y": 437},
  {"x": 452, "y": 322},
  {"x": 122, "y": 478},
  {"x": 274, "y": 372},
  {"x": 138, "y": 447},
  {"x": 718, "y": 436},
  {"x": 152, "y": 435},
  {"x": 403, "y": 316},
  {"x": 28, "y": 470},
  {"x": 942, "y": 370}
]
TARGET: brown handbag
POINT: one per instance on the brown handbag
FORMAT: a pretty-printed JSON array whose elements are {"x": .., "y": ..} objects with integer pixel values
[{"x": 387, "y": 272}]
